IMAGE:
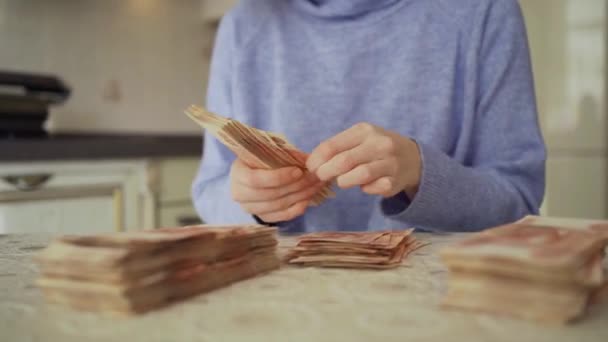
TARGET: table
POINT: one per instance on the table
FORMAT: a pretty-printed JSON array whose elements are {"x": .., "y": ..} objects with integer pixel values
[{"x": 290, "y": 304}]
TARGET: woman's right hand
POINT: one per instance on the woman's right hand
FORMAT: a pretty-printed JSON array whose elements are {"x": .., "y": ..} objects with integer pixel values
[{"x": 273, "y": 195}]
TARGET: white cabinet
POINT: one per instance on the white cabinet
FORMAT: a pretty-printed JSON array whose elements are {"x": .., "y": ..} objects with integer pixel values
[
  {"x": 174, "y": 177},
  {"x": 577, "y": 186},
  {"x": 175, "y": 216},
  {"x": 95, "y": 197},
  {"x": 67, "y": 216},
  {"x": 213, "y": 10},
  {"x": 74, "y": 197}
]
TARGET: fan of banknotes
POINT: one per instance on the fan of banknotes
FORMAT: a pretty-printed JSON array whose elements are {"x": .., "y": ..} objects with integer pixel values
[
  {"x": 539, "y": 269},
  {"x": 380, "y": 250},
  {"x": 256, "y": 148},
  {"x": 134, "y": 272}
]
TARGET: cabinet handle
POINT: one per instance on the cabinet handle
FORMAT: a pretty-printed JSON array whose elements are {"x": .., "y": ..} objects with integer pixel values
[{"x": 28, "y": 182}]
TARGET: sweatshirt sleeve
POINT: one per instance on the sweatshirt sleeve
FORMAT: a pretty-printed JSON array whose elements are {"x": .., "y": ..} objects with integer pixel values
[
  {"x": 211, "y": 186},
  {"x": 503, "y": 178}
]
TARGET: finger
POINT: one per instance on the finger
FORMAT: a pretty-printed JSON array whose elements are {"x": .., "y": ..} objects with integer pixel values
[
  {"x": 347, "y": 161},
  {"x": 260, "y": 208},
  {"x": 383, "y": 186},
  {"x": 260, "y": 178},
  {"x": 287, "y": 214},
  {"x": 366, "y": 173},
  {"x": 243, "y": 193},
  {"x": 341, "y": 142}
]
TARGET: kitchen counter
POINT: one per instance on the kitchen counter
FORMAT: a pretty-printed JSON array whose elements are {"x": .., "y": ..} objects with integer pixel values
[
  {"x": 290, "y": 304},
  {"x": 96, "y": 147}
]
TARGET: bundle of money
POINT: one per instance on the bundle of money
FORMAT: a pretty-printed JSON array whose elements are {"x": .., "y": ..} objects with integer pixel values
[
  {"x": 134, "y": 272},
  {"x": 538, "y": 269},
  {"x": 379, "y": 250},
  {"x": 257, "y": 148}
]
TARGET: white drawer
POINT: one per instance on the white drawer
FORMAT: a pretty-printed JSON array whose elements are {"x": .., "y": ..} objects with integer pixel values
[
  {"x": 82, "y": 215},
  {"x": 73, "y": 197},
  {"x": 576, "y": 187},
  {"x": 175, "y": 179}
]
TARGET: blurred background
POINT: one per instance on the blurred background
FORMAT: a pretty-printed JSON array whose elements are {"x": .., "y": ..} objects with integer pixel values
[{"x": 92, "y": 135}]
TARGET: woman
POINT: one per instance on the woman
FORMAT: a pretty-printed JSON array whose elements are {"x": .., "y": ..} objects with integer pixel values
[{"x": 422, "y": 111}]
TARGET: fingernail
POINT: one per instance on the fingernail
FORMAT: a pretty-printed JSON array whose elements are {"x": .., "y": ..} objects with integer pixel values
[
  {"x": 297, "y": 173},
  {"x": 310, "y": 164}
]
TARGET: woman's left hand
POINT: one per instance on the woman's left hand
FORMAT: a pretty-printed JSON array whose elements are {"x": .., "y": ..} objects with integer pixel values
[{"x": 381, "y": 162}]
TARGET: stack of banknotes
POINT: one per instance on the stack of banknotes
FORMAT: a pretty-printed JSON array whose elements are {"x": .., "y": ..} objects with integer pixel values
[
  {"x": 379, "y": 250},
  {"x": 256, "y": 148},
  {"x": 539, "y": 269},
  {"x": 134, "y": 272}
]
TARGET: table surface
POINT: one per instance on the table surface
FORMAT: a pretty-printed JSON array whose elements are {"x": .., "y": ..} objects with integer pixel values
[{"x": 290, "y": 304}]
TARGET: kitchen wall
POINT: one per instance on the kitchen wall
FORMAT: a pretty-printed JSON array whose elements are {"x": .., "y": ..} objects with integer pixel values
[
  {"x": 133, "y": 64},
  {"x": 568, "y": 43}
]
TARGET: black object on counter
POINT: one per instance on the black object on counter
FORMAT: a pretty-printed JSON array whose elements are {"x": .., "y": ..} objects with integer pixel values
[{"x": 25, "y": 99}]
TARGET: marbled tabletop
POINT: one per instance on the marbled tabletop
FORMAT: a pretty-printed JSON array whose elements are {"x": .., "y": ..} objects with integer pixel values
[{"x": 290, "y": 304}]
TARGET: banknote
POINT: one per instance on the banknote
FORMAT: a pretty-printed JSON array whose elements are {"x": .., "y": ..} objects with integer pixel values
[
  {"x": 133, "y": 272},
  {"x": 380, "y": 249},
  {"x": 257, "y": 148},
  {"x": 542, "y": 269}
]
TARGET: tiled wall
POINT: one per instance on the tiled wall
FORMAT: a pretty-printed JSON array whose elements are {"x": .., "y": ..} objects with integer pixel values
[
  {"x": 568, "y": 42},
  {"x": 134, "y": 65}
]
